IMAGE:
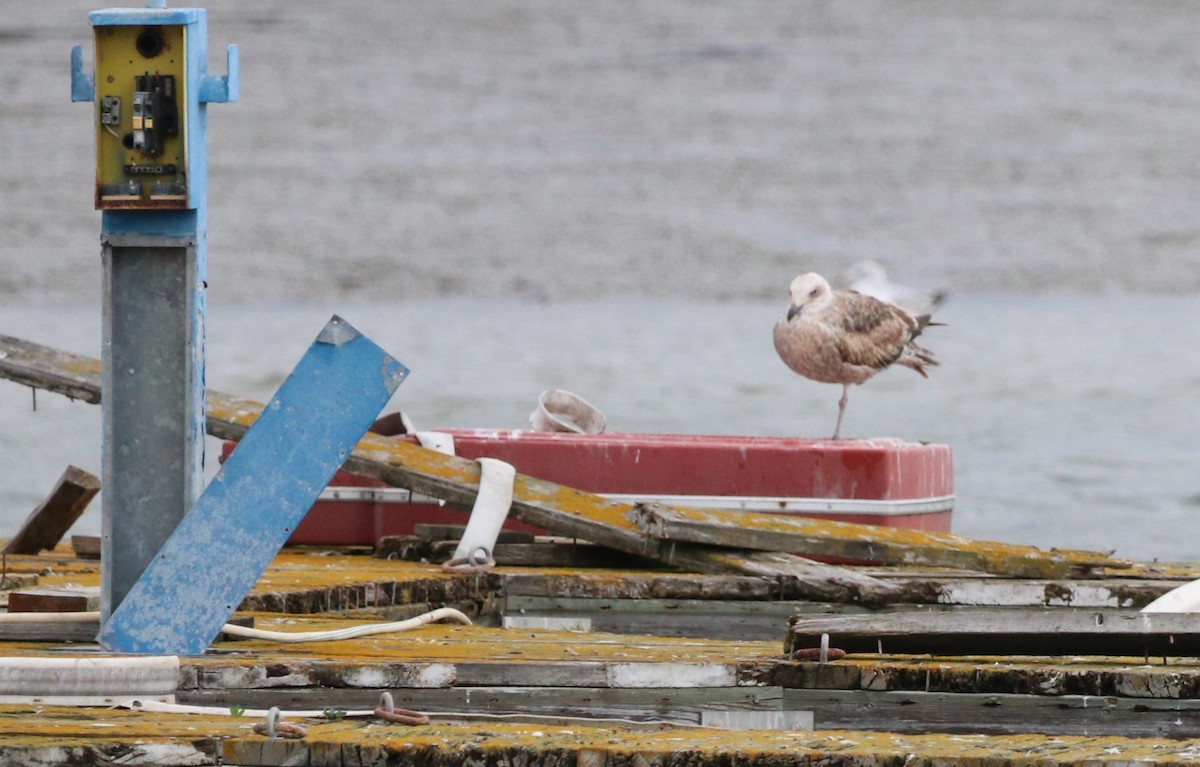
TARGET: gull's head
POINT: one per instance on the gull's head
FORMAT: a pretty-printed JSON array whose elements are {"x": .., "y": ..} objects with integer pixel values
[{"x": 809, "y": 292}]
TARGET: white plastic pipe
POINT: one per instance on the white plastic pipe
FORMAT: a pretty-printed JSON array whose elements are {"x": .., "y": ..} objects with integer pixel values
[
  {"x": 1183, "y": 599},
  {"x": 489, "y": 512},
  {"x": 87, "y": 681},
  {"x": 442, "y": 613},
  {"x": 50, "y": 617},
  {"x": 437, "y": 440},
  {"x": 159, "y": 707}
]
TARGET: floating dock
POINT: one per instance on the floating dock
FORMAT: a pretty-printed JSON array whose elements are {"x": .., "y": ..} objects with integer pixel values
[
  {"x": 692, "y": 636},
  {"x": 513, "y": 689}
]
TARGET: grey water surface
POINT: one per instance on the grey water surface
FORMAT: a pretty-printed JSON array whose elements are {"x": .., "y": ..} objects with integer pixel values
[{"x": 612, "y": 198}]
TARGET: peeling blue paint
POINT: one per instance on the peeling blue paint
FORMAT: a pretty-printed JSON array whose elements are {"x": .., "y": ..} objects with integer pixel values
[{"x": 246, "y": 514}]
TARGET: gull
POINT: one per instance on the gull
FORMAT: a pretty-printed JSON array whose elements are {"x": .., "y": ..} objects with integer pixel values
[
  {"x": 871, "y": 279},
  {"x": 840, "y": 336}
]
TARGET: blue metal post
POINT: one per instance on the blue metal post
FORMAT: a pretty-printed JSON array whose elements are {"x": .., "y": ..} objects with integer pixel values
[
  {"x": 150, "y": 87},
  {"x": 217, "y": 553}
]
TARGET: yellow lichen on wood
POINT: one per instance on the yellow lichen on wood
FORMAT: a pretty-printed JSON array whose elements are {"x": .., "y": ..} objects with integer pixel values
[
  {"x": 782, "y": 532},
  {"x": 448, "y": 643},
  {"x": 32, "y": 731}
]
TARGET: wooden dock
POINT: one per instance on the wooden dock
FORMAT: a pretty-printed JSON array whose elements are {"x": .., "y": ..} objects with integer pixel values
[
  {"x": 694, "y": 639},
  {"x": 523, "y": 694},
  {"x": 64, "y": 736}
]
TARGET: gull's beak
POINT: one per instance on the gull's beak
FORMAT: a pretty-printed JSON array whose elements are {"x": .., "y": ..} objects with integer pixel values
[{"x": 793, "y": 310}]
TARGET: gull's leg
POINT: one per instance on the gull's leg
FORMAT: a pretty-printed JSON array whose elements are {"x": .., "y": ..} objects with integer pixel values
[{"x": 837, "y": 430}]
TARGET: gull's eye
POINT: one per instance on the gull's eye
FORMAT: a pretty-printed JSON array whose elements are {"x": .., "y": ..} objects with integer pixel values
[{"x": 814, "y": 292}]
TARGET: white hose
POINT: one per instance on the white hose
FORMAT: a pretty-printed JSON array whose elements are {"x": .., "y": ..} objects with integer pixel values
[
  {"x": 492, "y": 503},
  {"x": 348, "y": 633},
  {"x": 66, "y": 617},
  {"x": 87, "y": 681},
  {"x": 442, "y": 613}
]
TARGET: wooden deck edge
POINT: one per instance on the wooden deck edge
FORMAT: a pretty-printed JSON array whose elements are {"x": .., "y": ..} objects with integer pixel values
[{"x": 56, "y": 736}]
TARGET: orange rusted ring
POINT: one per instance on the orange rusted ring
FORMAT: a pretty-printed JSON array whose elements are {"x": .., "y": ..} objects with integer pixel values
[
  {"x": 814, "y": 653},
  {"x": 824, "y": 654},
  {"x": 468, "y": 564},
  {"x": 401, "y": 716},
  {"x": 388, "y": 712},
  {"x": 273, "y": 728}
]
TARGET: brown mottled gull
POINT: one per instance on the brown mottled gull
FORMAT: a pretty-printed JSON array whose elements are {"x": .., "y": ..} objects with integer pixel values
[{"x": 840, "y": 336}]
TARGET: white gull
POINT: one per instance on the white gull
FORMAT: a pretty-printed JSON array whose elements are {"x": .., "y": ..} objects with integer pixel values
[{"x": 840, "y": 336}]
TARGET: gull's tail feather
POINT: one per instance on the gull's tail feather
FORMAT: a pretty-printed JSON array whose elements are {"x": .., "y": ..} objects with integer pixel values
[{"x": 917, "y": 357}]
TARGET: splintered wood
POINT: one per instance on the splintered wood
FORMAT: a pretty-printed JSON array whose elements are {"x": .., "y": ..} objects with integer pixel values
[
  {"x": 819, "y": 537},
  {"x": 49, "y": 522},
  {"x": 1006, "y": 631}
]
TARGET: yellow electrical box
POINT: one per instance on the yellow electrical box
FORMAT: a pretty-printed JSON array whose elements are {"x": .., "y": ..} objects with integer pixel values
[{"x": 141, "y": 117}]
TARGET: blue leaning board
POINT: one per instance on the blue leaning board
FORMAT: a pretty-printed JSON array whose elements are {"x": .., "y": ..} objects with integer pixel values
[{"x": 245, "y": 515}]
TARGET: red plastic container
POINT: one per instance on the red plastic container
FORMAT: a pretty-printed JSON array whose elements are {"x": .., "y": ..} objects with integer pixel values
[{"x": 884, "y": 482}]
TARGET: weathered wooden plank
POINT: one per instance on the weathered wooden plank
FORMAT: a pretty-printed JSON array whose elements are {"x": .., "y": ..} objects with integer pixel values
[
  {"x": 41, "y": 367},
  {"x": 50, "y": 631},
  {"x": 580, "y": 673},
  {"x": 640, "y": 585},
  {"x": 47, "y": 735},
  {"x": 780, "y": 532},
  {"x": 757, "y": 611},
  {"x": 309, "y": 673},
  {"x": 50, "y": 521},
  {"x": 1005, "y": 631},
  {"x": 566, "y": 555},
  {"x": 434, "y": 532},
  {"x": 563, "y": 510},
  {"x": 86, "y": 546},
  {"x": 823, "y": 581},
  {"x": 1008, "y": 592},
  {"x": 997, "y": 714},
  {"x": 664, "y": 703},
  {"x": 54, "y": 600},
  {"x": 1162, "y": 679},
  {"x": 743, "y": 620},
  {"x": 577, "y": 514},
  {"x": 74, "y": 631},
  {"x": 912, "y": 590},
  {"x": 544, "y": 554}
]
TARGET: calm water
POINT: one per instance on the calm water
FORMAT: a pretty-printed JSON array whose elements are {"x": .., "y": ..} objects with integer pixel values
[
  {"x": 1072, "y": 418},
  {"x": 612, "y": 198}
]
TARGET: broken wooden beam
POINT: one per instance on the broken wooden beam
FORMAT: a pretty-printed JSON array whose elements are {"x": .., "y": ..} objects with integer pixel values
[
  {"x": 442, "y": 532},
  {"x": 573, "y": 513},
  {"x": 49, "y": 522},
  {"x": 416, "y": 548},
  {"x": 562, "y": 510},
  {"x": 764, "y": 531},
  {"x": 1004, "y": 631},
  {"x": 49, "y": 630},
  {"x": 86, "y": 546},
  {"x": 65, "y": 600},
  {"x": 567, "y": 554},
  {"x": 998, "y": 714},
  {"x": 41, "y": 367}
]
